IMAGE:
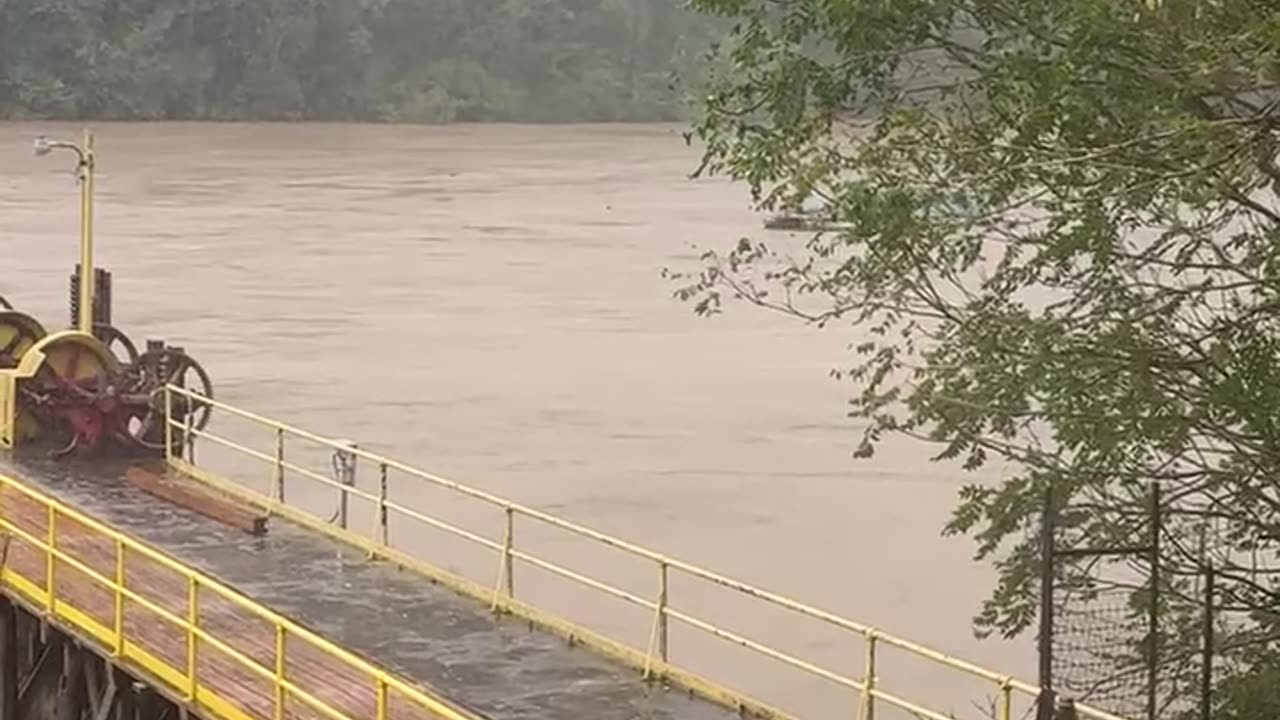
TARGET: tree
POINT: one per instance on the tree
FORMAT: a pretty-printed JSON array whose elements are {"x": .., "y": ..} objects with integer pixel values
[
  {"x": 1055, "y": 226},
  {"x": 405, "y": 60}
]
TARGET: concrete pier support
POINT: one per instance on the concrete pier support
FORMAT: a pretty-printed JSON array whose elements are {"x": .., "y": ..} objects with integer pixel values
[{"x": 48, "y": 675}]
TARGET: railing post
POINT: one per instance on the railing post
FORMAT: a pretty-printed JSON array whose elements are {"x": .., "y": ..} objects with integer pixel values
[
  {"x": 1006, "y": 699},
  {"x": 506, "y": 580},
  {"x": 346, "y": 471},
  {"x": 118, "y": 620},
  {"x": 658, "y": 640},
  {"x": 508, "y": 560},
  {"x": 51, "y": 541},
  {"x": 663, "y": 573},
  {"x": 380, "y": 513},
  {"x": 278, "y": 468},
  {"x": 189, "y": 436},
  {"x": 168, "y": 424},
  {"x": 869, "y": 680},
  {"x": 380, "y": 698},
  {"x": 382, "y": 504},
  {"x": 280, "y": 668},
  {"x": 193, "y": 625}
]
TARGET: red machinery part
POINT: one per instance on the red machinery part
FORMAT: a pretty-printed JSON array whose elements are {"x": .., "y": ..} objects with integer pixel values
[{"x": 85, "y": 399}]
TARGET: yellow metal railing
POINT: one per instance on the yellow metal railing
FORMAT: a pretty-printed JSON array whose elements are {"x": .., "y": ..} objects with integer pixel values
[
  {"x": 94, "y": 578},
  {"x": 654, "y": 660}
]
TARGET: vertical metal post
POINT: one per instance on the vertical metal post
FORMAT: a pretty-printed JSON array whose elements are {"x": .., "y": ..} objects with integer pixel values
[
  {"x": 193, "y": 624},
  {"x": 85, "y": 324},
  {"x": 278, "y": 467},
  {"x": 380, "y": 698},
  {"x": 280, "y": 669},
  {"x": 663, "y": 623},
  {"x": 343, "y": 502},
  {"x": 189, "y": 435},
  {"x": 128, "y": 697},
  {"x": 1006, "y": 699},
  {"x": 73, "y": 304},
  {"x": 71, "y": 694},
  {"x": 658, "y": 638},
  {"x": 1048, "y": 522},
  {"x": 508, "y": 560},
  {"x": 168, "y": 424},
  {"x": 102, "y": 298},
  {"x": 118, "y": 620},
  {"x": 869, "y": 680},
  {"x": 1153, "y": 628},
  {"x": 383, "y": 532},
  {"x": 347, "y": 460},
  {"x": 51, "y": 541},
  {"x": 1207, "y": 643}
]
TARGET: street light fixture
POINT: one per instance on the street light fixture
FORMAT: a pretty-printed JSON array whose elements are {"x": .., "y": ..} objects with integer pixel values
[{"x": 84, "y": 174}]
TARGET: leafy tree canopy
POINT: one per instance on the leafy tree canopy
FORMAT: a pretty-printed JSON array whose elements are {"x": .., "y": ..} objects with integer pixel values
[{"x": 1055, "y": 225}]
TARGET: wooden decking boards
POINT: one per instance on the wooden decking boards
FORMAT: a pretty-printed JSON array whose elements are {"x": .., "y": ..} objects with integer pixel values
[
  {"x": 446, "y": 645},
  {"x": 343, "y": 688}
]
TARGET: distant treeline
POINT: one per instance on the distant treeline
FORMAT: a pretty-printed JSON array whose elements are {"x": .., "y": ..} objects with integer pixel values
[{"x": 336, "y": 60}]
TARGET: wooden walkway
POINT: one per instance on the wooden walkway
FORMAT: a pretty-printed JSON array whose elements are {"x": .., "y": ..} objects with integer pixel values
[
  {"x": 449, "y": 646},
  {"x": 199, "y": 638}
]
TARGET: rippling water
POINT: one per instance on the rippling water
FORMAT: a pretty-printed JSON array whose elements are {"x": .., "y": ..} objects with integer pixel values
[{"x": 487, "y": 302}]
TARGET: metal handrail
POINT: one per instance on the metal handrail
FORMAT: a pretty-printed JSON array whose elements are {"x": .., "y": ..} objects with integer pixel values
[
  {"x": 656, "y": 655},
  {"x": 185, "y": 681}
]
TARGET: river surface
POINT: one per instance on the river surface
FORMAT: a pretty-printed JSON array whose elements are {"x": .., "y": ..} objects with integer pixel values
[{"x": 487, "y": 302}]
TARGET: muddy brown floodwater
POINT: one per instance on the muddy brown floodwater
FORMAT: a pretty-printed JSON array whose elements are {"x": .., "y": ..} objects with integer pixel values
[{"x": 487, "y": 302}]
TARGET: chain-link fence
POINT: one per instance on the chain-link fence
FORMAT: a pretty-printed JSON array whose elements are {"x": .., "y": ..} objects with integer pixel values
[{"x": 1122, "y": 632}]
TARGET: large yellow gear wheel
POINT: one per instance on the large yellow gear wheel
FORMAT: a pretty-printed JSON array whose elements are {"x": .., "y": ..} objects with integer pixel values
[
  {"x": 18, "y": 333},
  {"x": 65, "y": 388}
]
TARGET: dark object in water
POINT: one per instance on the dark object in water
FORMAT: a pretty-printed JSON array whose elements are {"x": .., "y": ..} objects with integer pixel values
[{"x": 798, "y": 222}]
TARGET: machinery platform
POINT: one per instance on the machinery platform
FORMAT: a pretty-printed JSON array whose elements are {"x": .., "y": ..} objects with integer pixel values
[{"x": 492, "y": 665}]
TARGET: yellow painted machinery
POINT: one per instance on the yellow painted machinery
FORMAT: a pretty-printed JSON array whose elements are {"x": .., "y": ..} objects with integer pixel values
[{"x": 88, "y": 389}]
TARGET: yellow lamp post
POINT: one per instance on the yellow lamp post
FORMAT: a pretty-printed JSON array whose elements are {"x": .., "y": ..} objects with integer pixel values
[{"x": 84, "y": 174}]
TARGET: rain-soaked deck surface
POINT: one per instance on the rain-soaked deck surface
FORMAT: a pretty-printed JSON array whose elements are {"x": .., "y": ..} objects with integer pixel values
[{"x": 498, "y": 668}]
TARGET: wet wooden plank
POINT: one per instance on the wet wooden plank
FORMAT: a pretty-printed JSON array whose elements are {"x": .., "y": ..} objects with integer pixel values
[
  {"x": 185, "y": 494},
  {"x": 340, "y": 686}
]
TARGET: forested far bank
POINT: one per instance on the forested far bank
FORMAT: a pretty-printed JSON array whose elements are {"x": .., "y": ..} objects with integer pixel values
[{"x": 422, "y": 61}]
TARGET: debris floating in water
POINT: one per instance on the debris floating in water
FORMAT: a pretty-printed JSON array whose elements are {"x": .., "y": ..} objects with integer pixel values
[{"x": 806, "y": 222}]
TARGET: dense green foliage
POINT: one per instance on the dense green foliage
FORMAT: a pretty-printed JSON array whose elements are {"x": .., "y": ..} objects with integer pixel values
[
  {"x": 386, "y": 60},
  {"x": 1059, "y": 241}
]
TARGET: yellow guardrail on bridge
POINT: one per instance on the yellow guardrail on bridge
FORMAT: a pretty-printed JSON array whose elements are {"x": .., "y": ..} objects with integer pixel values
[
  {"x": 206, "y": 644},
  {"x": 653, "y": 661}
]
